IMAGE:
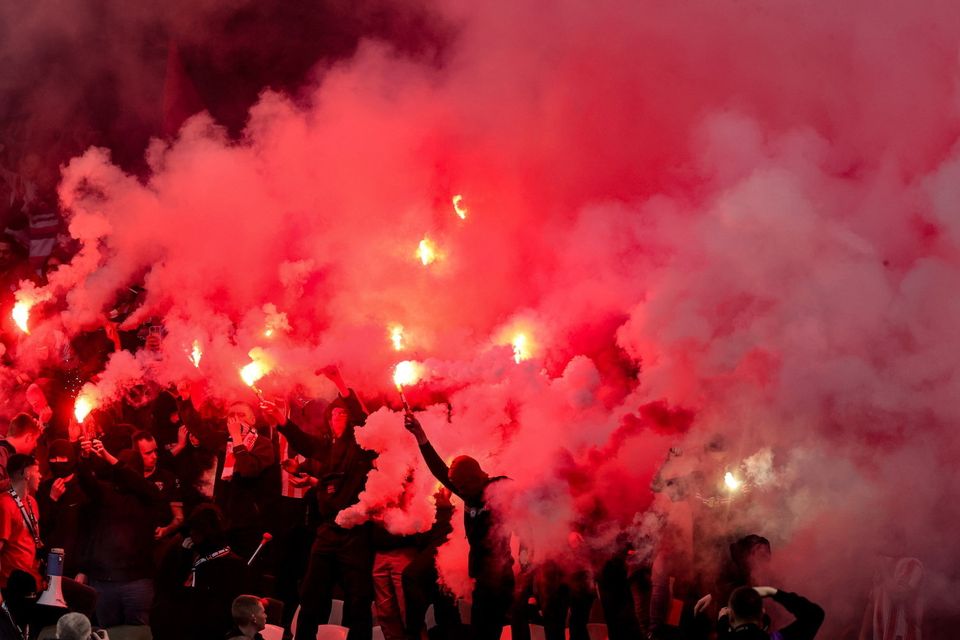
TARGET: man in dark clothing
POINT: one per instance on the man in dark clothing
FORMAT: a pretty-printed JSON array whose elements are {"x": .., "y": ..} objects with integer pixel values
[
  {"x": 338, "y": 554},
  {"x": 146, "y": 457},
  {"x": 62, "y": 501},
  {"x": 744, "y": 618},
  {"x": 490, "y": 562},
  {"x": 421, "y": 582},
  {"x": 198, "y": 580},
  {"x": 119, "y": 525},
  {"x": 245, "y": 479}
]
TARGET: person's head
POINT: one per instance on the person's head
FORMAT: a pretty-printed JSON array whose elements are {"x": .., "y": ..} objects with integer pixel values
[
  {"x": 206, "y": 527},
  {"x": 338, "y": 417},
  {"x": 752, "y": 555},
  {"x": 468, "y": 477},
  {"x": 145, "y": 444},
  {"x": 746, "y": 607},
  {"x": 243, "y": 413},
  {"x": 73, "y": 626},
  {"x": 22, "y": 468},
  {"x": 248, "y": 612},
  {"x": 23, "y": 433},
  {"x": 62, "y": 458}
]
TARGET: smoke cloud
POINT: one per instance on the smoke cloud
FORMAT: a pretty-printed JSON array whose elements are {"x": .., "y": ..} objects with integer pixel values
[{"x": 729, "y": 222}]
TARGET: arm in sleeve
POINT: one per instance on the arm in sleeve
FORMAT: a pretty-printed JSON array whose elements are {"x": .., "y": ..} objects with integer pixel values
[
  {"x": 809, "y": 616},
  {"x": 250, "y": 463},
  {"x": 307, "y": 445},
  {"x": 357, "y": 415},
  {"x": 353, "y": 483},
  {"x": 437, "y": 466}
]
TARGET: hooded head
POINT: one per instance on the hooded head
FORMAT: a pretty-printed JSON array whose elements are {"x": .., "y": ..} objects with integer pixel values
[{"x": 468, "y": 477}]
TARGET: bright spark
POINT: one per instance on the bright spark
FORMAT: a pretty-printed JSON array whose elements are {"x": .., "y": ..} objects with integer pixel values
[
  {"x": 426, "y": 252},
  {"x": 458, "y": 206}
]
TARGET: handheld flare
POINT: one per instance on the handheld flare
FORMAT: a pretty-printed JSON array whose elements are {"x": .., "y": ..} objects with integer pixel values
[
  {"x": 405, "y": 373},
  {"x": 21, "y": 315}
]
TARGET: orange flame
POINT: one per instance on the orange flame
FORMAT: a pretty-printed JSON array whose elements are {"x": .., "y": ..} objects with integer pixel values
[
  {"x": 458, "y": 206},
  {"x": 426, "y": 251},
  {"x": 196, "y": 353},
  {"x": 82, "y": 407},
  {"x": 406, "y": 373},
  {"x": 21, "y": 315},
  {"x": 258, "y": 367}
]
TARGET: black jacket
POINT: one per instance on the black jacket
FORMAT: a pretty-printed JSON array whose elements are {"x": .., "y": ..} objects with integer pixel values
[{"x": 341, "y": 465}]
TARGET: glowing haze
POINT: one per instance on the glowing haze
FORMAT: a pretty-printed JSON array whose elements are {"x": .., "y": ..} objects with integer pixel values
[{"x": 739, "y": 216}]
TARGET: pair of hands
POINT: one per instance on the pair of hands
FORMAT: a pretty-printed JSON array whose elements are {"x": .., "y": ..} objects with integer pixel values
[{"x": 95, "y": 447}]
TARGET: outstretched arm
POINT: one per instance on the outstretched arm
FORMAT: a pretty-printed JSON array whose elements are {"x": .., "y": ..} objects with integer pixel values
[{"x": 434, "y": 462}]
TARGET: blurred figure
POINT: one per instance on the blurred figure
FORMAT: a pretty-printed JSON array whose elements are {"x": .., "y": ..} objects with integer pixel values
[
  {"x": 744, "y": 617},
  {"x": 338, "y": 555},
  {"x": 197, "y": 581},
  {"x": 490, "y": 562}
]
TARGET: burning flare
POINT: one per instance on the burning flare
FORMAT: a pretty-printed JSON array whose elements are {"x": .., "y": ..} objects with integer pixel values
[
  {"x": 406, "y": 373},
  {"x": 458, "y": 206},
  {"x": 396, "y": 337},
  {"x": 196, "y": 354},
  {"x": 731, "y": 481},
  {"x": 258, "y": 367},
  {"x": 82, "y": 407},
  {"x": 426, "y": 252},
  {"x": 21, "y": 315},
  {"x": 521, "y": 348}
]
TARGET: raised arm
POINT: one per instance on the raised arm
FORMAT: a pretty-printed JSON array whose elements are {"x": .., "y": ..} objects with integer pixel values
[
  {"x": 434, "y": 462},
  {"x": 809, "y": 616}
]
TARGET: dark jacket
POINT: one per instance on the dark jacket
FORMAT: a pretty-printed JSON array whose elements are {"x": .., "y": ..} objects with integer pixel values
[
  {"x": 490, "y": 559},
  {"x": 118, "y": 523},
  {"x": 341, "y": 465}
]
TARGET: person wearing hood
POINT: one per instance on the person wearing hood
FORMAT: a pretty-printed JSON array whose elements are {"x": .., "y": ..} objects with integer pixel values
[
  {"x": 490, "y": 561},
  {"x": 62, "y": 501},
  {"x": 336, "y": 474}
]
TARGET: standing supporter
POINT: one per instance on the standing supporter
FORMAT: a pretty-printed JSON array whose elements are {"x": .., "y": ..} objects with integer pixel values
[
  {"x": 338, "y": 555},
  {"x": 198, "y": 580},
  {"x": 20, "y": 536},
  {"x": 199, "y": 452},
  {"x": 292, "y": 536},
  {"x": 744, "y": 617},
  {"x": 420, "y": 580},
  {"x": 565, "y": 590},
  {"x": 490, "y": 562},
  {"x": 147, "y": 454},
  {"x": 119, "y": 526},
  {"x": 22, "y": 436},
  {"x": 245, "y": 480},
  {"x": 62, "y": 501},
  {"x": 394, "y": 555}
]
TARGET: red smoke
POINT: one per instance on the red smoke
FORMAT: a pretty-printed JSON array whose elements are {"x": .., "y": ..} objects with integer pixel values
[{"x": 744, "y": 208}]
